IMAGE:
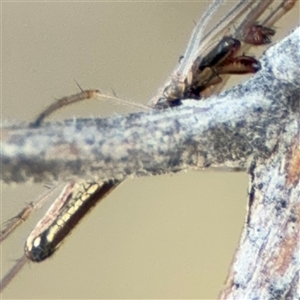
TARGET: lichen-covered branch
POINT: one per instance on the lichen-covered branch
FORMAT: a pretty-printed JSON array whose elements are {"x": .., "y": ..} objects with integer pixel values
[
  {"x": 243, "y": 123},
  {"x": 267, "y": 261},
  {"x": 266, "y": 264}
]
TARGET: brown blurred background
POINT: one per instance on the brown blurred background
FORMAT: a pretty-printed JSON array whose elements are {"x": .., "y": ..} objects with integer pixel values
[{"x": 160, "y": 237}]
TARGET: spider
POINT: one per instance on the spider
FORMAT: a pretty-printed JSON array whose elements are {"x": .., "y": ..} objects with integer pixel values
[{"x": 190, "y": 91}]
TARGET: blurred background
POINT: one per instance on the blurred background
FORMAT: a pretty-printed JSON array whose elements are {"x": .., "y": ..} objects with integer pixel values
[{"x": 160, "y": 237}]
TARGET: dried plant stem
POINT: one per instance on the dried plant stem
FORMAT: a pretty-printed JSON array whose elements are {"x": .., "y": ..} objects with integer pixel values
[
  {"x": 254, "y": 125},
  {"x": 229, "y": 130}
]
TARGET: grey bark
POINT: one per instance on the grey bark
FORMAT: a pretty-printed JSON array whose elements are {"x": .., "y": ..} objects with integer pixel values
[
  {"x": 230, "y": 130},
  {"x": 254, "y": 125}
]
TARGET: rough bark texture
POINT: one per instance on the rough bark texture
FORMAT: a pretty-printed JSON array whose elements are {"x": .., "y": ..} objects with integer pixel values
[
  {"x": 243, "y": 123},
  {"x": 254, "y": 125}
]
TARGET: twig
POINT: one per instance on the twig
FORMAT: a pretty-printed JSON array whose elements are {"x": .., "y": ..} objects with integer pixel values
[
  {"x": 251, "y": 116},
  {"x": 254, "y": 124}
]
